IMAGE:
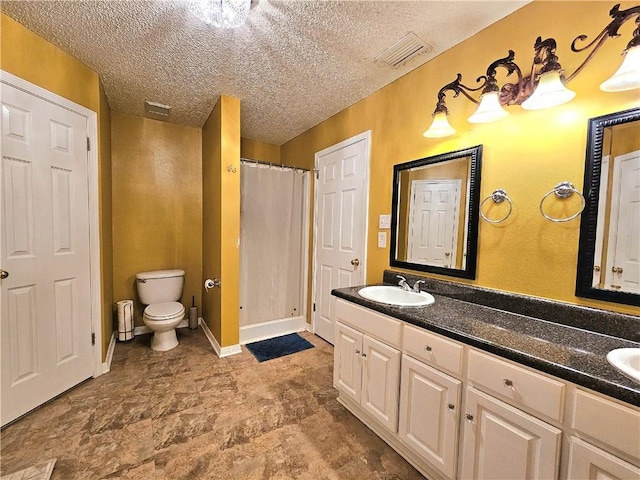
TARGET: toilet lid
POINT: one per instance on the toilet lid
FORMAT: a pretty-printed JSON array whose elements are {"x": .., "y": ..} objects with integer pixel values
[{"x": 161, "y": 311}]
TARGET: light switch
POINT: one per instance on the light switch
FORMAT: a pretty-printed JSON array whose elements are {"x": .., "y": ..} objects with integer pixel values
[
  {"x": 382, "y": 239},
  {"x": 385, "y": 221}
]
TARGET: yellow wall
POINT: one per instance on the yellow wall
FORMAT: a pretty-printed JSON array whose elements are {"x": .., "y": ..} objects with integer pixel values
[
  {"x": 157, "y": 203},
  {"x": 526, "y": 154},
  {"x": 30, "y": 57},
  {"x": 106, "y": 232},
  {"x": 221, "y": 219},
  {"x": 261, "y": 151}
]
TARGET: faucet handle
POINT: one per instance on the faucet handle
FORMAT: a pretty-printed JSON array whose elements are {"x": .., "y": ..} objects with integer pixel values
[
  {"x": 402, "y": 279},
  {"x": 416, "y": 286}
]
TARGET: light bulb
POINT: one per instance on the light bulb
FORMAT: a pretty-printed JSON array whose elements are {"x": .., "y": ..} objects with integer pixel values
[
  {"x": 627, "y": 77},
  {"x": 440, "y": 127},
  {"x": 550, "y": 92},
  {"x": 489, "y": 109}
]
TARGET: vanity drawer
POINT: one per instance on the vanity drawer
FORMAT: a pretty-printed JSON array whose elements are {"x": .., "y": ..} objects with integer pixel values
[
  {"x": 433, "y": 349},
  {"x": 522, "y": 387},
  {"x": 608, "y": 422},
  {"x": 374, "y": 324}
]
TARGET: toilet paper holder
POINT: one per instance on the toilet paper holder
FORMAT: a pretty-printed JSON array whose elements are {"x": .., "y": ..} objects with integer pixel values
[{"x": 211, "y": 283}]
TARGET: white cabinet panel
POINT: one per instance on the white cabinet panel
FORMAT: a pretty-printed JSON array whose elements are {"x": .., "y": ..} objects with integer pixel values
[
  {"x": 380, "y": 381},
  {"x": 429, "y": 406},
  {"x": 347, "y": 366},
  {"x": 502, "y": 442},
  {"x": 587, "y": 462}
]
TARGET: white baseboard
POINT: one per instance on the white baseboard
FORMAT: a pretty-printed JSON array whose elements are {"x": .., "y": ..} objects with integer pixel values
[
  {"x": 273, "y": 328},
  {"x": 106, "y": 365},
  {"x": 220, "y": 351}
]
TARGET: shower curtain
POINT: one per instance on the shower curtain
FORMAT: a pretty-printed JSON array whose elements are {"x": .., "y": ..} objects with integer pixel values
[{"x": 271, "y": 243}]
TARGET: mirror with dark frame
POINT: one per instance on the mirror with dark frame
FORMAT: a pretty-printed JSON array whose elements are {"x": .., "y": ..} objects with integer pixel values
[
  {"x": 609, "y": 250},
  {"x": 434, "y": 215}
]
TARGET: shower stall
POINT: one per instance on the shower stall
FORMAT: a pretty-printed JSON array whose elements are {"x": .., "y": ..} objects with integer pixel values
[{"x": 274, "y": 237}]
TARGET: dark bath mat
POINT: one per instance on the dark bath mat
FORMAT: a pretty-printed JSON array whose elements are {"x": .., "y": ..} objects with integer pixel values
[{"x": 278, "y": 347}]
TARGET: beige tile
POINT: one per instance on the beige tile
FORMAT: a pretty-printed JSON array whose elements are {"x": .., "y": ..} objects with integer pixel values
[{"x": 187, "y": 414}]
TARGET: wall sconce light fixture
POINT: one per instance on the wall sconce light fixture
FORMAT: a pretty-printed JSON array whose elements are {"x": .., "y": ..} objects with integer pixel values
[{"x": 544, "y": 86}]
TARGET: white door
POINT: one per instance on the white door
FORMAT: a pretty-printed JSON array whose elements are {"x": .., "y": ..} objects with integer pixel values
[
  {"x": 623, "y": 252},
  {"x": 429, "y": 406},
  {"x": 502, "y": 442},
  {"x": 602, "y": 208},
  {"x": 380, "y": 381},
  {"x": 46, "y": 304},
  {"x": 340, "y": 222},
  {"x": 433, "y": 222}
]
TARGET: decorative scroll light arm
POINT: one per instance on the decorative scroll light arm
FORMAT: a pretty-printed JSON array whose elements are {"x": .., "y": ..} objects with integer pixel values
[
  {"x": 457, "y": 88},
  {"x": 610, "y": 31}
]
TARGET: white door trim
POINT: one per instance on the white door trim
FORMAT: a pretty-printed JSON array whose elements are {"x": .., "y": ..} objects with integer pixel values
[
  {"x": 366, "y": 137},
  {"x": 94, "y": 210}
]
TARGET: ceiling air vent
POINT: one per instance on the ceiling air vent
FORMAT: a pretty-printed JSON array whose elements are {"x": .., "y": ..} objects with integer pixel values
[
  {"x": 157, "y": 108},
  {"x": 404, "y": 50}
]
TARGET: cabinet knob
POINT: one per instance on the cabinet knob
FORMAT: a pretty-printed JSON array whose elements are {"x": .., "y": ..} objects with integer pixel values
[
  {"x": 358, "y": 351},
  {"x": 451, "y": 406},
  {"x": 428, "y": 348},
  {"x": 617, "y": 269},
  {"x": 469, "y": 417},
  {"x": 355, "y": 262},
  {"x": 364, "y": 355},
  {"x": 507, "y": 383}
]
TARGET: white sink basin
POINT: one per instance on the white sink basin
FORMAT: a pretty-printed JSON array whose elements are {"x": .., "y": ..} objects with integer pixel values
[
  {"x": 627, "y": 360},
  {"x": 396, "y": 296}
]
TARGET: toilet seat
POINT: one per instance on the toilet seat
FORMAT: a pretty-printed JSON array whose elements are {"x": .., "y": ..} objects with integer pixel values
[{"x": 158, "y": 312}]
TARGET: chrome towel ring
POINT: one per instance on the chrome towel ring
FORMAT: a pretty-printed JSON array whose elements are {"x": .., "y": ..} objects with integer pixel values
[
  {"x": 562, "y": 191},
  {"x": 498, "y": 196}
]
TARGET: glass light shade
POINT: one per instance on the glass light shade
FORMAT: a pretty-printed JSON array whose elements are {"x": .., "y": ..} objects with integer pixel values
[
  {"x": 223, "y": 13},
  {"x": 550, "y": 92},
  {"x": 440, "y": 127},
  {"x": 627, "y": 77},
  {"x": 489, "y": 109}
]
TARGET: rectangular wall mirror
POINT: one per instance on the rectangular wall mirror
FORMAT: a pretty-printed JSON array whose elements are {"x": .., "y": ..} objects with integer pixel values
[
  {"x": 609, "y": 253},
  {"x": 434, "y": 217}
]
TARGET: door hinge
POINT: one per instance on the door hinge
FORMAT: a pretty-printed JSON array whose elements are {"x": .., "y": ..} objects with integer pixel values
[
  {"x": 314, "y": 307},
  {"x": 88, "y": 144},
  {"x": 93, "y": 338},
  {"x": 317, "y": 171}
]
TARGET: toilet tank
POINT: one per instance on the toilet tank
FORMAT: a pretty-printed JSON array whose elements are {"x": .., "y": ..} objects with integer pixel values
[{"x": 160, "y": 286}]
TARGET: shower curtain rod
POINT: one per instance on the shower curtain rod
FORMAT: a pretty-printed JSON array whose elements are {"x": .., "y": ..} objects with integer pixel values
[{"x": 271, "y": 164}]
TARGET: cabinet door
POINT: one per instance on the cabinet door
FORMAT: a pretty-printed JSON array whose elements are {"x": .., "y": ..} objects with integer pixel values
[
  {"x": 380, "y": 382},
  {"x": 347, "y": 361},
  {"x": 429, "y": 406},
  {"x": 502, "y": 442},
  {"x": 590, "y": 463}
]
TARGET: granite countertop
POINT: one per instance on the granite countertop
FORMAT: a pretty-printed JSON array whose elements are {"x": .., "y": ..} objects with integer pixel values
[{"x": 566, "y": 352}]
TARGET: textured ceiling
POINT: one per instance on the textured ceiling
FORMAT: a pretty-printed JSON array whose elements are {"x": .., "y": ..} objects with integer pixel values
[{"x": 293, "y": 64}]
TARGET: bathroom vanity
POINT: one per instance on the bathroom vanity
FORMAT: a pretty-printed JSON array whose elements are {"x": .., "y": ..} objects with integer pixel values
[{"x": 463, "y": 390}]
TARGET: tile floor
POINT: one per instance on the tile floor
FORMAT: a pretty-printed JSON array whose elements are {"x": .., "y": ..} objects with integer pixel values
[{"x": 186, "y": 414}]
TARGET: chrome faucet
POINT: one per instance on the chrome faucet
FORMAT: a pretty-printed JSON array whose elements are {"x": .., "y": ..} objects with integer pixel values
[
  {"x": 403, "y": 283},
  {"x": 416, "y": 286}
]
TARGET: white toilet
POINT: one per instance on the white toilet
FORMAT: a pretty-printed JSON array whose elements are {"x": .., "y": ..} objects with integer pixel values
[{"x": 161, "y": 291}]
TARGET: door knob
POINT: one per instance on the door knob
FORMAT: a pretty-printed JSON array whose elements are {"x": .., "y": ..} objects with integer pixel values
[
  {"x": 616, "y": 269},
  {"x": 4, "y": 274},
  {"x": 446, "y": 254},
  {"x": 355, "y": 262}
]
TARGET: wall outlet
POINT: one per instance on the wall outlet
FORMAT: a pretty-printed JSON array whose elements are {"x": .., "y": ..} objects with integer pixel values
[
  {"x": 385, "y": 221},
  {"x": 382, "y": 239}
]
